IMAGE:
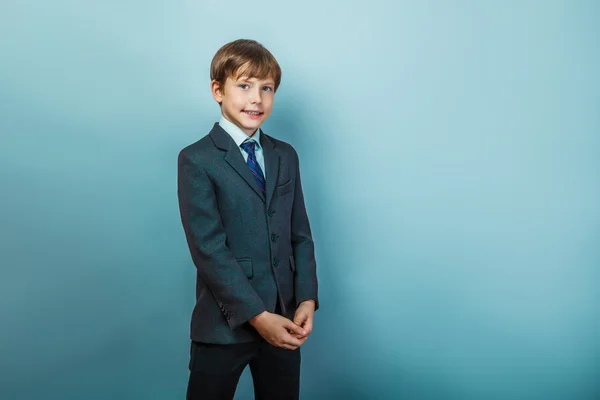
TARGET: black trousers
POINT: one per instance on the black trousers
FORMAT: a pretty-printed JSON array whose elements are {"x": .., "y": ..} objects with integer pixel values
[{"x": 215, "y": 370}]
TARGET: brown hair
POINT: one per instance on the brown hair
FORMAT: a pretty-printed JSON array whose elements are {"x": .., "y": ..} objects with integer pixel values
[{"x": 247, "y": 58}]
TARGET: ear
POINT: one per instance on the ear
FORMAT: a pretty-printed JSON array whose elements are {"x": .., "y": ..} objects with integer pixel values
[{"x": 217, "y": 91}]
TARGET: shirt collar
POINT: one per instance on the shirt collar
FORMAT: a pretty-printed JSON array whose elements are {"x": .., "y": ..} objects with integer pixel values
[{"x": 238, "y": 135}]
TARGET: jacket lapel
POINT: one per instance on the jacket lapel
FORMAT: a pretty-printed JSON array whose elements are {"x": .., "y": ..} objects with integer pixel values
[
  {"x": 271, "y": 164},
  {"x": 234, "y": 158}
]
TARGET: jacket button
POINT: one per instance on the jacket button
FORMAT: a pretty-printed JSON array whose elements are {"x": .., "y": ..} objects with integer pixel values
[
  {"x": 271, "y": 212},
  {"x": 275, "y": 263},
  {"x": 274, "y": 237}
]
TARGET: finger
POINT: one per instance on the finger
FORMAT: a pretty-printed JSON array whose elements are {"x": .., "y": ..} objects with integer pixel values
[
  {"x": 284, "y": 346},
  {"x": 292, "y": 327},
  {"x": 302, "y": 339},
  {"x": 299, "y": 321},
  {"x": 308, "y": 326},
  {"x": 291, "y": 340},
  {"x": 299, "y": 316},
  {"x": 299, "y": 337},
  {"x": 295, "y": 334}
]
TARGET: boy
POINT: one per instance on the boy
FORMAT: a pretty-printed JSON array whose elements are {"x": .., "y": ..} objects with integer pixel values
[{"x": 243, "y": 213}]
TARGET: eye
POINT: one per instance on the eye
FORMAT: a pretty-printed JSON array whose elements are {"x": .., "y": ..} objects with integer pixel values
[
  {"x": 268, "y": 89},
  {"x": 243, "y": 86}
]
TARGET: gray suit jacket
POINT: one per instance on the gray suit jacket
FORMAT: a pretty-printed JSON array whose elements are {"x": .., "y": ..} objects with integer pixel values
[{"x": 250, "y": 251}]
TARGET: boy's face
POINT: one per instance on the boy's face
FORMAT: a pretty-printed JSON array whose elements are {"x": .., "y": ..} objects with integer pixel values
[{"x": 246, "y": 102}]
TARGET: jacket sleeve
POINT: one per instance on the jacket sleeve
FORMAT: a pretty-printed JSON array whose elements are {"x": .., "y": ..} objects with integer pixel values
[
  {"x": 306, "y": 285},
  {"x": 206, "y": 239}
]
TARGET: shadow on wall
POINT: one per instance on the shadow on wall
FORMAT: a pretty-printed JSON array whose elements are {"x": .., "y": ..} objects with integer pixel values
[{"x": 340, "y": 360}]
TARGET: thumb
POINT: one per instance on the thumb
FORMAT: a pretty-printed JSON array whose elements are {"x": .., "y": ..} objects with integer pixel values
[
  {"x": 291, "y": 326},
  {"x": 299, "y": 319}
]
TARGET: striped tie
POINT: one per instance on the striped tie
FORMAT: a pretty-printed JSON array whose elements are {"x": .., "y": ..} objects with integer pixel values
[{"x": 253, "y": 164}]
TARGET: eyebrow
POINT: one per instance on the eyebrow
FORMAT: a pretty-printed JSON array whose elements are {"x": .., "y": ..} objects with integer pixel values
[{"x": 246, "y": 80}]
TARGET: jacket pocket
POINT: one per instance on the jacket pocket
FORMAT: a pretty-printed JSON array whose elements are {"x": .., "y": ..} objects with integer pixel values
[
  {"x": 285, "y": 188},
  {"x": 246, "y": 265}
]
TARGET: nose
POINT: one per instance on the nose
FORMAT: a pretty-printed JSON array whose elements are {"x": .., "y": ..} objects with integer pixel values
[{"x": 255, "y": 96}]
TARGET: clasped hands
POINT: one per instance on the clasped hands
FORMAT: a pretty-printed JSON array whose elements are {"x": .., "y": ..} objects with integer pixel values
[{"x": 281, "y": 332}]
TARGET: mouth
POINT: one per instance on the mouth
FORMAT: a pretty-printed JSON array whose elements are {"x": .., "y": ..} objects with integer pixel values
[{"x": 253, "y": 113}]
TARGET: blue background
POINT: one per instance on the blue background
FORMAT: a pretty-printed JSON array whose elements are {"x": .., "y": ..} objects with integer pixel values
[{"x": 450, "y": 154}]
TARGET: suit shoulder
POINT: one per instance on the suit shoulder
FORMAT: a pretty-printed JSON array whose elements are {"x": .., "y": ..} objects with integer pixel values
[
  {"x": 282, "y": 146},
  {"x": 198, "y": 149}
]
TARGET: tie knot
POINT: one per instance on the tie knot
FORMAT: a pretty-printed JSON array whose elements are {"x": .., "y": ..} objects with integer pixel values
[{"x": 249, "y": 146}]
